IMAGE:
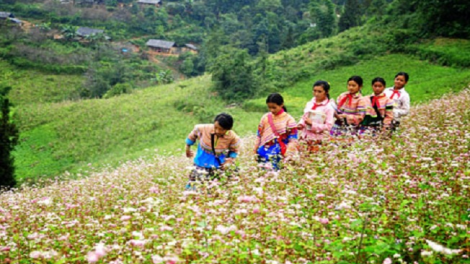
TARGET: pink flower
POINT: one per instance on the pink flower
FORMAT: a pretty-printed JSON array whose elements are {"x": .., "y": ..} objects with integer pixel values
[
  {"x": 154, "y": 189},
  {"x": 225, "y": 230},
  {"x": 35, "y": 254},
  {"x": 125, "y": 217},
  {"x": 387, "y": 261},
  {"x": 156, "y": 259},
  {"x": 256, "y": 210},
  {"x": 92, "y": 257},
  {"x": 137, "y": 243},
  {"x": 171, "y": 260},
  {"x": 100, "y": 250},
  {"x": 6, "y": 249},
  {"x": 247, "y": 199},
  {"x": 324, "y": 221},
  {"x": 166, "y": 228}
]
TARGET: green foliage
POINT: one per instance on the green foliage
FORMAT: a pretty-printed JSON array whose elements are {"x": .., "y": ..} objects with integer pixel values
[
  {"x": 351, "y": 16},
  {"x": 324, "y": 17},
  {"x": 163, "y": 77},
  {"x": 233, "y": 77},
  {"x": 118, "y": 89},
  {"x": 431, "y": 18},
  {"x": 8, "y": 139},
  {"x": 449, "y": 52}
]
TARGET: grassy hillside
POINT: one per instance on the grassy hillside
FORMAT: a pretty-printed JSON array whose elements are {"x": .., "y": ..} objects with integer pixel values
[
  {"x": 427, "y": 81},
  {"x": 31, "y": 86},
  {"x": 69, "y": 135},
  {"x": 59, "y": 135}
]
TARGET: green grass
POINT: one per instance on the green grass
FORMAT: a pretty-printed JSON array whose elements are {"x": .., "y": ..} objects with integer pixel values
[
  {"x": 103, "y": 132},
  {"x": 31, "y": 86},
  {"x": 58, "y": 135},
  {"x": 452, "y": 52},
  {"x": 427, "y": 81}
]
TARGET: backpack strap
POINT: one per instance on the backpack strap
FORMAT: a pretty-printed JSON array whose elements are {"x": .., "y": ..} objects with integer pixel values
[
  {"x": 271, "y": 124},
  {"x": 376, "y": 108},
  {"x": 213, "y": 149}
]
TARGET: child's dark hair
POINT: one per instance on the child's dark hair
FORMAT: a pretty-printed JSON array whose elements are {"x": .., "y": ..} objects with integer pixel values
[
  {"x": 277, "y": 99},
  {"x": 380, "y": 80},
  {"x": 404, "y": 74},
  {"x": 325, "y": 85},
  {"x": 225, "y": 120},
  {"x": 357, "y": 79}
]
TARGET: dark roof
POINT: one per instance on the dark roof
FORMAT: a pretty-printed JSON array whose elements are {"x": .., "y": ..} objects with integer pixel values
[
  {"x": 153, "y": 2},
  {"x": 16, "y": 20},
  {"x": 6, "y": 14},
  {"x": 191, "y": 46},
  {"x": 158, "y": 43},
  {"x": 84, "y": 31}
]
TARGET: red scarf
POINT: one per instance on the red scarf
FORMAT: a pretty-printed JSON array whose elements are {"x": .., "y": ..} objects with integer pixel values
[
  {"x": 348, "y": 96},
  {"x": 375, "y": 101},
  {"x": 315, "y": 105},
  {"x": 395, "y": 92}
]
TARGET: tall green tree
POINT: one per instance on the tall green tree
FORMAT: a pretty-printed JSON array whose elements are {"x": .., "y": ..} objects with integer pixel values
[
  {"x": 8, "y": 140},
  {"x": 323, "y": 16},
  {"x": 448, "y": 18},
  {"x": 351, "y": 16},
  {"x": 232, "y": 74},
  {"x": 376, "y": 8}
]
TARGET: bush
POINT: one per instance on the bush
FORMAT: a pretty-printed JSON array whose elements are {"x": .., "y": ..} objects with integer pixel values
[{"x": 118, "y": 89}]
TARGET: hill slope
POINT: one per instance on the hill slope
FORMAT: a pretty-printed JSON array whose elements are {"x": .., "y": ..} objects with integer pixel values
[
  {"x": 366, "y": 202},
  {"x": 69, "y": 135}
]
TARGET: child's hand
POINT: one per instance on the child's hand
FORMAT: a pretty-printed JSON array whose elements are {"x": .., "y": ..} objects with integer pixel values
[
  {"x": 228, "y": 162},
  {"x": 308, "y": 121},
  {"x": 189, "y": 153}
]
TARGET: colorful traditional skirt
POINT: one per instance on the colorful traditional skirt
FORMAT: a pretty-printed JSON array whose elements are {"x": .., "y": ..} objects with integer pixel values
[{"x": 270, "y": 153}]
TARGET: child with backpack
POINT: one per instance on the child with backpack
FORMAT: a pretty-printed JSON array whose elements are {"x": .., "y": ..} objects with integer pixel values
[
  {"x": 379, "y": 108},
  {"x": 401, "y": 99},
  {"x": 277, "y": 133},
  {"x": 350, "y": 110},
  {"x": 217, "y": 148},
  {"x": 318, "y": 117}
]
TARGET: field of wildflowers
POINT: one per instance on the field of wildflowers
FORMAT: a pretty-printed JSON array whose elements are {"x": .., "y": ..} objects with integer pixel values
[{"x": 402, "y": 200}]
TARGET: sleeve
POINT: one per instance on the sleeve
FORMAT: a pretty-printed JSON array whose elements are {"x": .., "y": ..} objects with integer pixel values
[
  {"x": 259, "y": 133},
  {"x": 357, "y": 118},
  {"x": 338, "y": 107},
  {"x": 302, "y": 121},
  {"x": 193, "y": 136},
  {"x": 292, "y": 126},
  {"x": 329, "y": 121},
  {"x": 404, "y": 109},
  {"x": 234, "y": 147}
]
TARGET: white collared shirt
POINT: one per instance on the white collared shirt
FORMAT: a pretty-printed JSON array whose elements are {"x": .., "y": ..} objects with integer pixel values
[{"x": 401, "y": 103}]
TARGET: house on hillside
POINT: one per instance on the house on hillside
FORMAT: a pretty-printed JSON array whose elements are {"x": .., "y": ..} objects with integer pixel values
[
  {"x": 161, "y": 46},
  {"x": 6, "y": 15},
  {"x": 189, "y": 48},
  {"x": 85, "y": 32},
  {"x": 149, "y": 2},
  {"x": 16, "y": 21}
]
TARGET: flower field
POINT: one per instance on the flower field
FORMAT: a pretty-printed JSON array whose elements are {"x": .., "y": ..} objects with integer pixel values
[{"x": 400, "y": 200}]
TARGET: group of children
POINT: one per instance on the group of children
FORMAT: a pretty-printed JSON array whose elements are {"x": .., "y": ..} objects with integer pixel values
[{"x": 279, "y": 134}]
